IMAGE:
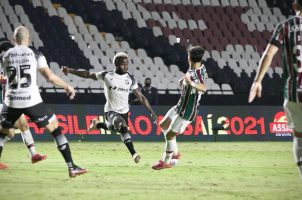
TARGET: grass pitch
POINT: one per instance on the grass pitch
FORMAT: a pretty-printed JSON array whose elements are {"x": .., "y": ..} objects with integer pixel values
[{"x": 229, "y": 170}]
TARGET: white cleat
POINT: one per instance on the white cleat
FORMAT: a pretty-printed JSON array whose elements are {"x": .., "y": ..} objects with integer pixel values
[{"x": 136, "y": 158}]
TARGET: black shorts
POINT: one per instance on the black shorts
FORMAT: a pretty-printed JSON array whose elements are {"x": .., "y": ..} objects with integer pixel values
[
  {"x": 110, "y": 116},
  {"x": 39, "y": 114}
]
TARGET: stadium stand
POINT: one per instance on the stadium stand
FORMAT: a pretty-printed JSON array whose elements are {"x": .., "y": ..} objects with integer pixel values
[{"x": 155, "y": 34}]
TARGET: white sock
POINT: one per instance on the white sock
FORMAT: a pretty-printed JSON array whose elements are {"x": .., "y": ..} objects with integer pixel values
[
  {"x": 297, "y": 149},
  {"x": 170, "y": 146},
  {"x": 175, "y": 152},
  {"x": 29, "y": 142}
]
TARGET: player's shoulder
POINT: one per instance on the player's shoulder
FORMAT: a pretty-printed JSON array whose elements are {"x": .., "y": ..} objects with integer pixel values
[
  {"x": 36, "y": 52},
  {"x": 131, "y": 77}
]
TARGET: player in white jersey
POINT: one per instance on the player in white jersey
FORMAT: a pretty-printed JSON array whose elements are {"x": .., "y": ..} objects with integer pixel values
[
  {"x": 118, "y": 84},
  {"x": 20, "y": 66},
  {"x": 21, "y": 122}
]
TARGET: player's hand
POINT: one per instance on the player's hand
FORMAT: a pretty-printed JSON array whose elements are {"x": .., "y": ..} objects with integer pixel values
[
  {"x": 70, "y": 92},
  {"x": 187, "y": 79},
  {"x": 256, "y": 89},
  {"x": 65, "y": 70},
  {"x": 154, "y": 118}
]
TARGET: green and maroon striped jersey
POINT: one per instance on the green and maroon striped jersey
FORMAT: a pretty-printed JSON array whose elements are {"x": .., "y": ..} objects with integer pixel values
[
  {"x": 189, "y": 99},
  {"x": 288, "y": 37}
]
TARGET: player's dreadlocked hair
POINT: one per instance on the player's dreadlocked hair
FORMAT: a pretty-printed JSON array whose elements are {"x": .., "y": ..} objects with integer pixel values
[
  {"x": 196, "y": 53},
  {"x": 118, "y": 58}
]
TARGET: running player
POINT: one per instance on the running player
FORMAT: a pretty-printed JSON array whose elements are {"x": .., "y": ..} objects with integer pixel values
[
  {"x": 287, "y": 36},
  {"x": 20, "y": 66},
  {"x": 118, "y": 84},
  {"x": 181, "y": 115},
  {"x": 21, "y": 122}
]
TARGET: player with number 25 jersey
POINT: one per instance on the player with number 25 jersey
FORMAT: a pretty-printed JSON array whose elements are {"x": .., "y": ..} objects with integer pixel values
[{"x": 21, "y": 65}]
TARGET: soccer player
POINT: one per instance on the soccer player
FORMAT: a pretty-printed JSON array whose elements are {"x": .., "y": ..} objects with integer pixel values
[
  {"x": 179, "y": 116},
  {"x": 287, "y": 36},
  {"x": 118, "y": 84},
  {"x": 20, "y": 66},
  {"x": 21, "y": 122}
]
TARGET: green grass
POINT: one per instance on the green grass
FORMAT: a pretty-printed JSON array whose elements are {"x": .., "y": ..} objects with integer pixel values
[{"x": 237, "y": 170}]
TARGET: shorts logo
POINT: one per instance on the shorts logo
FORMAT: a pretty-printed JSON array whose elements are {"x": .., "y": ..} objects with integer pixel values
[
  {"x": 41, "y": 119},
  {"x": 278, "y": 126}
]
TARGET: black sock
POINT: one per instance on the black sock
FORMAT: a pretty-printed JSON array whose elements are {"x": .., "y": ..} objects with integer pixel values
[
  {"x": 101, "y": 125},
  {"x": 63, "y": 146},
  {"x": 129, "y": 145},
  {"x": 66, "y": 153},
  {"x": 1, "y": 150}
]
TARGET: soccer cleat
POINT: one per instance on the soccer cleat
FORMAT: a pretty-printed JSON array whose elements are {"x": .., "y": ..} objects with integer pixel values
[
  {"x": 3, "y": 166},
  {"x": 136, "y": 158},
  {"x": 177, "y": 156},
  {"x": 75, "y": 171},
  {"x": 37, "y": 157},
  {"x": 161, "y": 165},
  {"x": 93, "y": 124}
]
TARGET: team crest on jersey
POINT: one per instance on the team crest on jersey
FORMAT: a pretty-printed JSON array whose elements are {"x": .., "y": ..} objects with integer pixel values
[{"x": 127, "y": 82}]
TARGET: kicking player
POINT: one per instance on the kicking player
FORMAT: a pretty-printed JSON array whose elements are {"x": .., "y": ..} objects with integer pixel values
[
  {"x": 179, "y": 116},
  {"x": 20, "y": 66},
  {"x": 21, "y": 122},
  {"x": 118, "y": 84},
  {"x": 287, "y": 36}
]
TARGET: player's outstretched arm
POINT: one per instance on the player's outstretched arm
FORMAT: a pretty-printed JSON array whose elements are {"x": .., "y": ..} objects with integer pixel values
[
  {"x": 198, "y": 86},
  {"x": 57, "y": 81},
  {"x": 81, "y": 73},
  {"x": 264, "y": 64},
  {"x": 143, "y": 100}
]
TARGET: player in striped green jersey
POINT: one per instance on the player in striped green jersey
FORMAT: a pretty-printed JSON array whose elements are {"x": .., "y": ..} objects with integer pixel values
[
  {"x": 181, "y": 115},
  {"x": 288, "y": 37}
]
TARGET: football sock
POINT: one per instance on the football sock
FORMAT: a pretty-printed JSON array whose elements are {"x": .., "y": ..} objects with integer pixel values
[
  {"x": 297, "y": 149},
  {"x": 2, "y": 136},
  {"x": 170, "y": 146},
  {"x": 101, "y": 125},
  {"x": 29, "y": 142},
  {"x": 126, "y": 138},
  {"x": 175, "y": 152},
  {"x": 63, "y": 146}
]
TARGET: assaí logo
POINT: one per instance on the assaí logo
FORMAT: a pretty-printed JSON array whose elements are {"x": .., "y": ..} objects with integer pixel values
[{"x": 278, "y": 126}]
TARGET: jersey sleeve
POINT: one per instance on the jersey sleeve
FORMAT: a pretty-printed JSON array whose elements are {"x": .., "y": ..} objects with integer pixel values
[
  {"x": 277, "y": 37},
  {"x": 101, "y": 75},
  {"x": 134, "y": 84},
  {"x": 41, "y": 61},
  {"x": 201, "y": 75}
]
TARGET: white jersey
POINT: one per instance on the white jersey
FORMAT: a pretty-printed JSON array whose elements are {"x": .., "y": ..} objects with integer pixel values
[
  {"x": 20, "y": 66},
  {"x": 117, "y": 88}
]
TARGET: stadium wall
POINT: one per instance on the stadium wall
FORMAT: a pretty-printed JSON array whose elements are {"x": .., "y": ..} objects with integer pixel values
[{"x": 213, "y": 123}]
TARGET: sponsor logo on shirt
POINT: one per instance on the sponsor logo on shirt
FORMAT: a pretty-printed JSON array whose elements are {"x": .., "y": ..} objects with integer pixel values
[
  {"x": 118, "y": 89},
  {"x": 18, "y": 98}
]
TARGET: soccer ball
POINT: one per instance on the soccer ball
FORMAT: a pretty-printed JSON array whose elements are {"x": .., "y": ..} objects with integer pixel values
[{"x": 174, "y": 162}]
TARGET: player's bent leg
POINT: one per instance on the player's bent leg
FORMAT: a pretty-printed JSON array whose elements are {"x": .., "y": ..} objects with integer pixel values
[
  {"x": 28, "y": 140},
  {"x": 297, "y": 149},
  {"x": 64, "y": 148}
]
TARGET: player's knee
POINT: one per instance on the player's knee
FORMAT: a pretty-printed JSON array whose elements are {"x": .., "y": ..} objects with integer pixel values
[
  {"x": 119, "y": 123},
  {"x": 170, "y": 135},
  {"x": 298, "y": 134},
  {"x": 124, "y": 129},
  {"x": 10, "y": 133},
  {"x": 23, "y": 127},
  {"x": 52, "y": 125}
]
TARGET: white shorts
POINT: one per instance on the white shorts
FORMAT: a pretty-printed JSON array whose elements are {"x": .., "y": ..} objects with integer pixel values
[
  {"x": 178, "y": 124},
  {"x": 293, "y": 111}
]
